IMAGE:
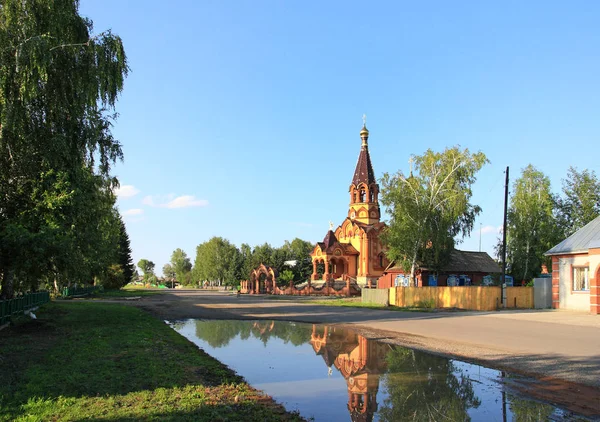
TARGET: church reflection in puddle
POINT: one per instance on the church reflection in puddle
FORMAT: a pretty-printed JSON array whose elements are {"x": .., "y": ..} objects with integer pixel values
[
  {"x": 360, "y": 361},
  {"x": 363, "y": 379}
]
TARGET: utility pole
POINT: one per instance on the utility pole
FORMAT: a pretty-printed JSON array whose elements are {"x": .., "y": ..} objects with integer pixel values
[{"x": 504, "y": 241}]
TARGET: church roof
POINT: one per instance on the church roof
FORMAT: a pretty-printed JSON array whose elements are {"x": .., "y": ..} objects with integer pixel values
[
  {"x": 329, "y": 240},
  {"x": 364, "y": 169}
]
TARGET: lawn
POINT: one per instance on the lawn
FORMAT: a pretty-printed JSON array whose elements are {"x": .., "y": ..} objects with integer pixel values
[{"x": 108, "y": 362}]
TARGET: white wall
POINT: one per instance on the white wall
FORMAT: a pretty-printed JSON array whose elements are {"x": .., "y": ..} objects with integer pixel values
[{"x": 579, "y": 301}]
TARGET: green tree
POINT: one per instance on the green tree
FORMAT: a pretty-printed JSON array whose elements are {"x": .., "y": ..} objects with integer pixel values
[
  {"x": 430, "y": 208},
  {"x": 580, "y": 201},
  {"x": 169, "y": 273},
  {"x": 299, "y": 250},
  {"x": 181, "y": 265},
  {"x": 246, "y": 259},
  {"x": 58, "y": 88},
  {"x": 125, "y": 259},
  {"x": 219, "y": 261},
  {"x": 147, "y": 268},
  {"x": 531, "y": 224}
]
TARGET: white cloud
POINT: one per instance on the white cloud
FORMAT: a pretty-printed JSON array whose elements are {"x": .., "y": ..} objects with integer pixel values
[
  {"x": 148, "y": 201},
  {"x": 132, "y": 212},
  {"x": 172, "y": 202},
  {"x": 186, "y": 201},
  {"x": 490, "y": 229},
  {"x": 126, "y": 191}
]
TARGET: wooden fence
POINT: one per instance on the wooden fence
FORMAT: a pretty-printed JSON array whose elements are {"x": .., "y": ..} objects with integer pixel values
[
  {"x": 21, "y": 304},
  {"x": 378, "y": 296},
  {"x": 476, "y": 298}
]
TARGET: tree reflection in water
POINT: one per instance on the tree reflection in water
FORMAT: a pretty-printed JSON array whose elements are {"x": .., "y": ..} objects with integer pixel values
[
  {"x": 423, "y": 387},
  {"x": 220, "y": 333}
]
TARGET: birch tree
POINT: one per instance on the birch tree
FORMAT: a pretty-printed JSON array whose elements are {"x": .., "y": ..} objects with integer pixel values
[
  {"x": 531, "y": 225},
  {"x": 59, "y": 83},
  {"x": 430, "y": 208}
]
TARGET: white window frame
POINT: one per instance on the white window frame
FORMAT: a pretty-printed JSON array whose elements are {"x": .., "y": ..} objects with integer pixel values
[{"x": 586, "y": 279}]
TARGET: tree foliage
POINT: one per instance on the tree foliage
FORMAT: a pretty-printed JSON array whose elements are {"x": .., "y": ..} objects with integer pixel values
[
  {"x": 531, "y": 225},
  {"x": 181, "y": 265},
  {"x": 580, "y": 201},
  {"x": 58, "y": 88},
  {"x": 217, "y": 260},
  {"x": 146, "y": 266},
  {"x": 430, "y": 208}
]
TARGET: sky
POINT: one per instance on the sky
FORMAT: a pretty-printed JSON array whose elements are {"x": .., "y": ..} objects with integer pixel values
[{"x": 241, "y": 119}]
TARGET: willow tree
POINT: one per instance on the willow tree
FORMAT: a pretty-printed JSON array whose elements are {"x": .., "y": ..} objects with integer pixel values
[
  {"x": 58, "y": 87},
  {"x": 430, "y": 208}
]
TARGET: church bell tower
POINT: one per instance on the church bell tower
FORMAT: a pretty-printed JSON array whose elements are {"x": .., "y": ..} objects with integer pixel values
[{"x": 364, "y": 190}]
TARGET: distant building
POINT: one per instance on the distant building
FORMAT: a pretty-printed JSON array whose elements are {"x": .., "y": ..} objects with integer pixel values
[
  {"x": 474, "y": 265},
  {"x": 576, "y": 270},
  {"x": 353, "y": 250}
]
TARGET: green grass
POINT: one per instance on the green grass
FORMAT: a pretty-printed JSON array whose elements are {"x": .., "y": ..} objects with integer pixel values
[
  {"x": 108, "y": 362},
  {"x": 355, "y": 302},
  {"x": 127, "y": 292}
]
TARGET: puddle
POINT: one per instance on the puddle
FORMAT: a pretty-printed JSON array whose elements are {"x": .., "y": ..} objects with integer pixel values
[{"x": 332, "y": 374}]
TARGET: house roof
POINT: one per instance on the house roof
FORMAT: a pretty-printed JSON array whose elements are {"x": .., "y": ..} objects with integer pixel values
[
  {"x": 580, "y": 241},
  {"x": 469, "y": 261},
  {"x": 462, "y": 262}
]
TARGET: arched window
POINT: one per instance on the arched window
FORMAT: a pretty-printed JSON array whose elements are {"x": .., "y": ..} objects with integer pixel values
[{"x": 363, "y": 195}]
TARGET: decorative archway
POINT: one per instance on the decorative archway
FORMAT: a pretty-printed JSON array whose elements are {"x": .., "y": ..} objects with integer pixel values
[{"x": 263, "y": 279}]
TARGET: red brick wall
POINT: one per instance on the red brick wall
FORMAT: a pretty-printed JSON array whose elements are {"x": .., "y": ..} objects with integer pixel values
[{"x": 555, "y": 283}]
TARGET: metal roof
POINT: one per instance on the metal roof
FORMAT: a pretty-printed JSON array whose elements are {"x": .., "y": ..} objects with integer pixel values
[{"x": 580, "y": 241}]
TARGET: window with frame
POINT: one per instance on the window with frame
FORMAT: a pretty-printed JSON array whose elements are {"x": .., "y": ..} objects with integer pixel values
[{"x": 581, "y": 279}]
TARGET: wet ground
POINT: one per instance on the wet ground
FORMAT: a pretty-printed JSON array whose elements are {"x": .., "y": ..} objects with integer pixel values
[{"x": 329, "y": 373}]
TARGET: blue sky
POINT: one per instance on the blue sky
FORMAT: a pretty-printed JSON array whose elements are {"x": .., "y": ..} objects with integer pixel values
[{"x": 240, "y": 118}]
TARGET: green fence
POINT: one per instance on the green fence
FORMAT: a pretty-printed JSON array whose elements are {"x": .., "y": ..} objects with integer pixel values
[
  {"x": 81, "y": 291},
  {"x": 13, "y": 307}
]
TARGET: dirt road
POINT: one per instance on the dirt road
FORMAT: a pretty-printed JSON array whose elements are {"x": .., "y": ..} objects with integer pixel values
[{"x": 551, "y": 344}]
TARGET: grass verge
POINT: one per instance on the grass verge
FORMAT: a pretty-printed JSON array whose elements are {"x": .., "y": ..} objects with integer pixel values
[
  {"x": 126, "y": 292},
  {"x": 108, "y": 362},
  {"x": 355, "y": 302}
]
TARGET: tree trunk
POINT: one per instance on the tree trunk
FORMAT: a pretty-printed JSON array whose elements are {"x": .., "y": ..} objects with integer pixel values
[
  {"x": 8, "y": 288},
  {"x": 526, "y": 260}
]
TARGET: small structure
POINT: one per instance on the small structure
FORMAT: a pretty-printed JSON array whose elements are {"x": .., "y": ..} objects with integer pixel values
[
  {"x": 576, "y": 270},
  {"x": 474, "y": 265},
  {"x": 262, "y": 280}
]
